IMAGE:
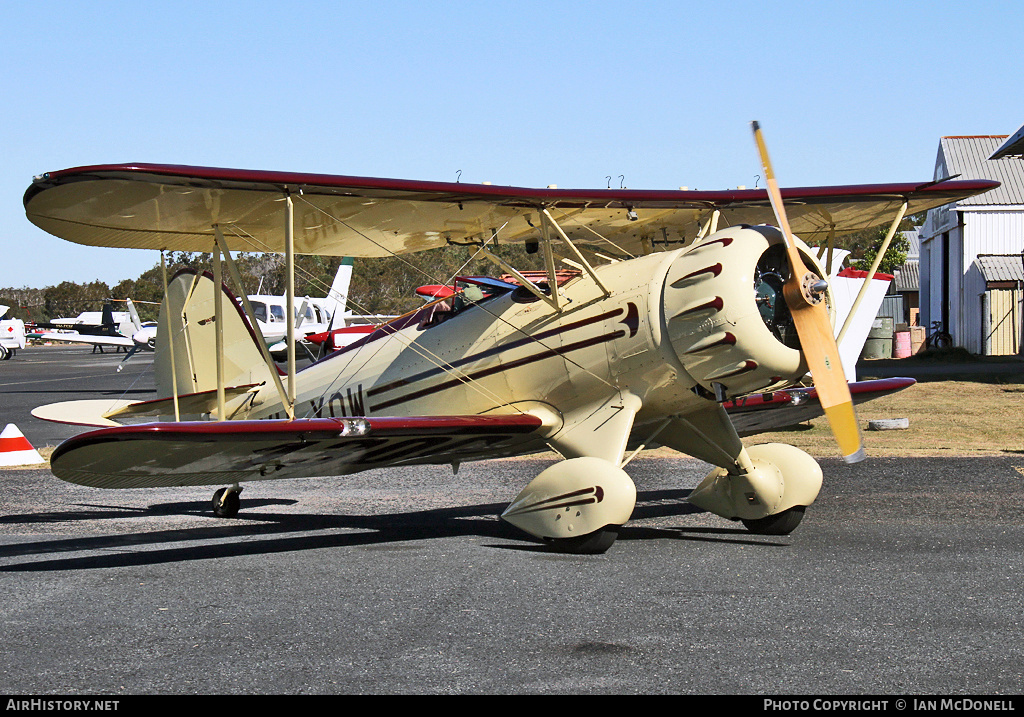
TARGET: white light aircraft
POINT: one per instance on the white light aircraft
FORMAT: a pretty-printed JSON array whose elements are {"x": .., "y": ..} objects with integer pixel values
[
  {"x": 671, "y": 324},
  {"x": 318, "y": 320},
  {"x": 120, "y": 330}
]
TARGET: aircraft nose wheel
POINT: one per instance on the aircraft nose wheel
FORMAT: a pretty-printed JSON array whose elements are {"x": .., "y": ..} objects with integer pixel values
[{"x": 226, "y": 502}]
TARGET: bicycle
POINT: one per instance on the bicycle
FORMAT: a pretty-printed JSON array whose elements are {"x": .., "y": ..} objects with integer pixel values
[{"x": 938, "y": 339}]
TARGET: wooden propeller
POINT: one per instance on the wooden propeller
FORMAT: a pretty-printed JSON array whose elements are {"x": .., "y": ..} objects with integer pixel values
[{"x": 805, "y": 296}]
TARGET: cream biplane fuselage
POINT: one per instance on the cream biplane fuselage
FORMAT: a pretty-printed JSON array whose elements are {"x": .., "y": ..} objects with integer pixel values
[
  {"x": 644, "y": 357},
  {"x": 635, "y": 352}
]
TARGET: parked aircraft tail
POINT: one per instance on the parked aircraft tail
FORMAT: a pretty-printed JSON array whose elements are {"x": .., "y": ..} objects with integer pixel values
[{"x": 337, "y": 297}]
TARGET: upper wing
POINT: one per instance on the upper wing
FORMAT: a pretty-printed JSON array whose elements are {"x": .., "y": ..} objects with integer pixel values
[
  {"x": 175, "y": 208},
  {"x": 768, "y": 412},
  {"x": 217, "y": 452}
]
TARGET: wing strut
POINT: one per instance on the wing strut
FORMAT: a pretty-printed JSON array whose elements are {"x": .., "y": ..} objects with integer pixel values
[
  {"x": 547, "y": 222},
  {"x": 289, "y": 293},
  {"x": 551, "y": 300},
  {"x": 874, "y": 268},
  {"x": 710, "y": 226},
  {"x": 218, "y": 319},
  {"x": 236, "y": 278},
  {"x": 545, "y": 216},
  {"x": 170, "y": 345}
]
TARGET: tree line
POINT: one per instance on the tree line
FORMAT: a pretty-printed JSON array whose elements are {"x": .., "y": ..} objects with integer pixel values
[{"x": 379, "y": 286}]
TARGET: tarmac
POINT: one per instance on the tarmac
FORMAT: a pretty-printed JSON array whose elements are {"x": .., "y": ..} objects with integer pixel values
[{"x": 903, "y": 580}]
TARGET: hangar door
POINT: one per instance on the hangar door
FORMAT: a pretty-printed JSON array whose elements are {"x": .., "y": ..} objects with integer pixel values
[{"x": 1001, "y": 316}]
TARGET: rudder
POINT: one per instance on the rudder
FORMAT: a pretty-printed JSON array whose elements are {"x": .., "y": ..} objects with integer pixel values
[{"x": 187, "y": 328}]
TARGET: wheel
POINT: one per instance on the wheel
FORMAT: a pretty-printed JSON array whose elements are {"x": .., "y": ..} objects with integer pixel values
[
  {"x": 943, "y": 341},
  {"x": 226, "y": 503},
  {"x": 782, "y": 523},
  {"x": 590, "y": 544},
  {"x": 4, "y": 353}
]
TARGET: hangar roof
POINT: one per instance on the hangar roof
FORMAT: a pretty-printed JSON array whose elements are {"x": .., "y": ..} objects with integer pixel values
[
  {"x": 1001, "y": 267},
  {"x": 969, "y": 157}
]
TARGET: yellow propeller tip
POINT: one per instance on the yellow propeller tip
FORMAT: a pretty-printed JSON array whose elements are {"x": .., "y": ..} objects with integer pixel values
[{"x": 856, "y": 457}]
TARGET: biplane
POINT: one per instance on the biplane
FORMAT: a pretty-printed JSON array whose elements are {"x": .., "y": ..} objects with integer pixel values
[{"x": 681, "y": 305}]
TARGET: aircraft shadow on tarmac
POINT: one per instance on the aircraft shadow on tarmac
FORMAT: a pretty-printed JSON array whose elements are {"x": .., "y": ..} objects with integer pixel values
[{"x": 258, "y": 531}]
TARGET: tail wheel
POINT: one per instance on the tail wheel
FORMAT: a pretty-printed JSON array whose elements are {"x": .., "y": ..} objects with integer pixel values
[{"x": 226, "y": 503}]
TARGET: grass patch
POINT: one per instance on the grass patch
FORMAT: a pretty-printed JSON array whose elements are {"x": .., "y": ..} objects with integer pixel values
[{"x": 947, "y": 418}]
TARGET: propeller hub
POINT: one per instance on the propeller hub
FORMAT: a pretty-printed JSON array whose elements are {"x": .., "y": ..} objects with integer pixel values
[{"x": 813, "y": 288}]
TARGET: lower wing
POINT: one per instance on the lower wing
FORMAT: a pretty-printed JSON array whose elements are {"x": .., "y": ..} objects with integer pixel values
[
  {"x": 770, "y": 411},
  {"x": 217, "y": 452}
]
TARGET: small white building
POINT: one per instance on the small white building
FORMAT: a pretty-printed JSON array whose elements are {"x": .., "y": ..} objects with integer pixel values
[{"x": 967, "y": 294}]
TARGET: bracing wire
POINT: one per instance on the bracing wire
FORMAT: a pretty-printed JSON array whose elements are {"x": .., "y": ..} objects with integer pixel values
[
  {"x": 422, "y": 351},
  {"x": 483, "y": 307}
]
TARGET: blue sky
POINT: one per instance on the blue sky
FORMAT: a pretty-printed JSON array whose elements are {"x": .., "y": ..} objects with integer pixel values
[{"x": 521, "y": 93}]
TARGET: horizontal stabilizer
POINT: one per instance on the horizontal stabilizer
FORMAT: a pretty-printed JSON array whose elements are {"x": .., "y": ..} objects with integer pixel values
[
  {"x": 217, "y": 452},
  {"x": 202, "y": 402},
  {"x": 100, "y": 411},
  {"x": 90, "y": 412}
]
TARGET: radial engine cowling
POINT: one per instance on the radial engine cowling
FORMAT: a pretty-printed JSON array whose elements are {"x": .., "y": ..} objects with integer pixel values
[{"x": 725, "y": 315}]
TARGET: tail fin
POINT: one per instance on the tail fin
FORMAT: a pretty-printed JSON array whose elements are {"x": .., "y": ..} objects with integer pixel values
[
  {"x": 134, "y": 314},
  {"x": 337, "y": 297},
  {"x": 108, "y": 315},
  {"x": 188, "y": 329}
]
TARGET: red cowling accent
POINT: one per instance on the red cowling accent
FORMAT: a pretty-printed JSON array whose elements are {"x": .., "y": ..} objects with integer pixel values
[{"x": 850, "y": 273}]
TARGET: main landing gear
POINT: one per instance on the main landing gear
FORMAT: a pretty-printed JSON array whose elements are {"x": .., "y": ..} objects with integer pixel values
[
  {"x": 576, "y": 506},
  {"x": 226, "y": 502},
  {"x": 770, "y": 496},
  {"x": 782, "y": 523}
]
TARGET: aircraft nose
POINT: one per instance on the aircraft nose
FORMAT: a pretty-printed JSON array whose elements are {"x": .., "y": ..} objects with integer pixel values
[{"x": 714, "y": 321}]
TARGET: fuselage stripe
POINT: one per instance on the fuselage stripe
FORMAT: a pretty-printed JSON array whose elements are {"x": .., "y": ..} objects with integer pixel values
[
  {"x": 482, "y": 373},
  {"x": 376, "y": 390}
]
